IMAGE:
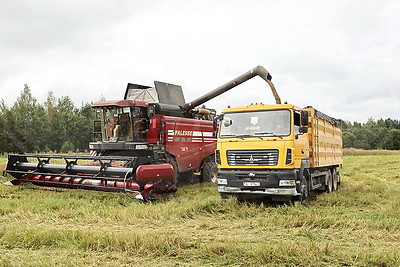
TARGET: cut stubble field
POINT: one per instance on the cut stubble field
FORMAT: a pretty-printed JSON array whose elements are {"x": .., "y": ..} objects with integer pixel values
[{"x": 357, "y": 225}]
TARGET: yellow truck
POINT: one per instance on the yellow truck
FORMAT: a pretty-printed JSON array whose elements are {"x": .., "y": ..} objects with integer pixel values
[{"x": 277, "y": 151}]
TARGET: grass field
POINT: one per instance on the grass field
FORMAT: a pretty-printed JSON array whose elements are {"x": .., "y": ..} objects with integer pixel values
[{"x": 357, "y": 225}]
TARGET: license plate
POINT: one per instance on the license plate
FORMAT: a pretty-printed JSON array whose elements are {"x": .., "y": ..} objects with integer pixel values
[{"x": 251, "y": 183}]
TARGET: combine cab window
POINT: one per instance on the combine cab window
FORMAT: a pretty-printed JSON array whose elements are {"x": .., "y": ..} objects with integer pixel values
[
  {"x": 117, "y": 124},
  {"x": 140, "y": 123},
  {"x": 124, "y": 124},
  {"x": 97, "y": 125}
]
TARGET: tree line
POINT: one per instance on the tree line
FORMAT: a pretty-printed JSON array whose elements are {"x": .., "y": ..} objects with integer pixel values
[
  {"x": 374, "y": 134},
  {"x": 54, "y": 126},
  {"x": 58, "y": 126}
]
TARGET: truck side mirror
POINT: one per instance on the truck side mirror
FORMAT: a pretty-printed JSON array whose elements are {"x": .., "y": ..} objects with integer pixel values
[
  {"x": 303, "y": 129},
  {"x": 304, "y": 117},
  {"x": 215, "y": 124}
]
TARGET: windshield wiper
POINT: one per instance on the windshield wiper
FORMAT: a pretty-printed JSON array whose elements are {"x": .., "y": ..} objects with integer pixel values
[
  {"x": 268, "y": 133},
  {"x": 243, "y": 136},
  {"x": 227, "y": 135}
]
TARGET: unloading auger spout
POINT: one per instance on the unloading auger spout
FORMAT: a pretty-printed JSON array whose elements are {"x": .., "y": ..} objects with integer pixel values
[{"x": 257, "y": 71}]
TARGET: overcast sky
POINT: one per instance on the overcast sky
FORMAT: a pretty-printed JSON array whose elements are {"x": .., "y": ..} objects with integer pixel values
[{"x": 341, "y": 57}]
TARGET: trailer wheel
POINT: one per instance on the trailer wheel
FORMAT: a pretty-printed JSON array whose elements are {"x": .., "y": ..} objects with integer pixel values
[
  {"x": 334, "y": 180},
  {"x": 209, "y": 172},
  {"x": 329, "y": 183}
]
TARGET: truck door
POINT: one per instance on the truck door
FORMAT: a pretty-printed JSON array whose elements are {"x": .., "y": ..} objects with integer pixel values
[{"x": 301, "y": 148}]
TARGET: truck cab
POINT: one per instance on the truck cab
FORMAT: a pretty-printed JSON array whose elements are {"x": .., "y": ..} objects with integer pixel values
[{"x": 262, "y": 151}]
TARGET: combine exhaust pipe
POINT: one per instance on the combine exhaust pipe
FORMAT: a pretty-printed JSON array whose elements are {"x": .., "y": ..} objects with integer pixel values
[{"x": 257, "y": 71}]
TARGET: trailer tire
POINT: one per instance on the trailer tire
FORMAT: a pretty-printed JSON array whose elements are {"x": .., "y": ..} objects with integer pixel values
[
  {"x": 334, "y": 180},
  {"x": 329, "y": 183},
  {"x": 209, "y": 172}
]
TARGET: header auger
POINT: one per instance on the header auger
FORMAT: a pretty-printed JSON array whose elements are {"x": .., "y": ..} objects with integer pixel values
[{"x": 144, "y": 143}]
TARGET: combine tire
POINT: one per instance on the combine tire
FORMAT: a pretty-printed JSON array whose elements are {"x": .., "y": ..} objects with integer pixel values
[
  {"x": 176, "y": 173},
  {"x": 209, "y": 172}
]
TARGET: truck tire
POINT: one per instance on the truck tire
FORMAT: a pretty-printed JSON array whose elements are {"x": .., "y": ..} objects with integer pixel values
[
  {"x": 334, "y": 180},
  {"x": 209, "y": 172},
  {"x": 225, "y": 195},
  {"x": 329, "y": 183},
  {"x": 303, "y": 198}
]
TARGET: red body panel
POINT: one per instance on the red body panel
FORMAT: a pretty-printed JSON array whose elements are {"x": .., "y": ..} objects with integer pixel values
[
  {"x": 58, "y": 181},
  {"x": 189, "y": 140},
  {"x": 149, "y": 173}
]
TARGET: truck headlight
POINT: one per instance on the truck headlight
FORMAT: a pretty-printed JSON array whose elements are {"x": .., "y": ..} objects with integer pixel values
[
  {"x": 288, "y": 156},
  {"x": 287, "y": 183},
  {"x": 217, "y": 157}
]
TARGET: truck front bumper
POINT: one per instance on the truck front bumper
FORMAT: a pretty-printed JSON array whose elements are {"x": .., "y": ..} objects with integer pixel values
[
  {"x": 260, "y": 191},
  {"x": 259, "y": 182}
]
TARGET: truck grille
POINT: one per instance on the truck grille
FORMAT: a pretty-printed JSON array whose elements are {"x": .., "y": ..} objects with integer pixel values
[{"x": 265, "y": 157}]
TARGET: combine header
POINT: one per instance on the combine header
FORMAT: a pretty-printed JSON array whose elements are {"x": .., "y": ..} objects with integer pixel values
[
  {"x": 106, "y": 175},
  {"x": 143, "y": 143}
]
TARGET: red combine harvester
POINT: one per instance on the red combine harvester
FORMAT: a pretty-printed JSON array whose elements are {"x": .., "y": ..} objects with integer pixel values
[{"x": 142, "y": 144}]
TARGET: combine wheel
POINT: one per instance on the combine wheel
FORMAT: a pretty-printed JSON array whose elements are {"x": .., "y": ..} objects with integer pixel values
[
  {"x": 334, "y": 180},
  {"x": 329, "y": 183},
  {"x": 176, "y": 170},
  {"x": 209, "y": 172}
]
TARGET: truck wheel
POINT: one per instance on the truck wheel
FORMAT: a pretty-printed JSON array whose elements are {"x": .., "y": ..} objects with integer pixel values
[
  {"x": 225, "y": 195},
  {"x": 329, "y": 183},
  {"x": 334, "y": 180},
  {"x": 209, "y": 172},
  {"x": 303, "y": 191}
]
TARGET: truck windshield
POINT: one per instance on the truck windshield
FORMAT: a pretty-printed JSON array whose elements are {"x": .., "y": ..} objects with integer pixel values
[{"x": 255, "y": 124}]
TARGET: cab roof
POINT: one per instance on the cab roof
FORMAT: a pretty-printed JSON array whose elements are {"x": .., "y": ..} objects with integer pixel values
[
  {"x": 120, "y": 103},
  {"x": 259, "y": 107}
]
